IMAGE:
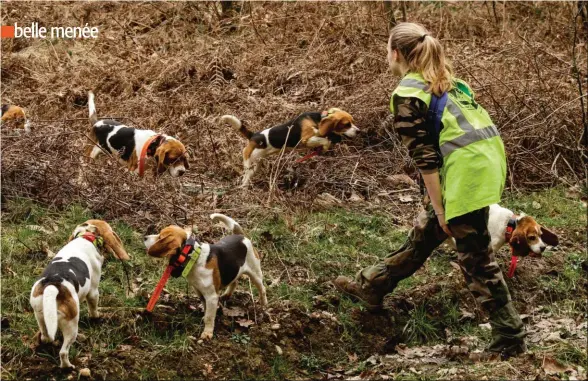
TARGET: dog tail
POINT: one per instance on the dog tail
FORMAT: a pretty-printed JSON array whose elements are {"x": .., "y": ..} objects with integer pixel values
[
  {"x": 228, "y": 222},
  {"x": 92, "y": 108},
  {"x": 50, "y": 310},
  {"x": 237, "y": 125}
]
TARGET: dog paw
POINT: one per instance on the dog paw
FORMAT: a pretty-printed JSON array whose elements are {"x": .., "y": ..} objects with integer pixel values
[
  {"x": 206, "y": 335},
  {"x": 40, "y": 339}
]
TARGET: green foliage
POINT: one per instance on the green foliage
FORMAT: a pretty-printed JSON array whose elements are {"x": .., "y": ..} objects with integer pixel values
[
  {"x": 569, "y": 353},
  {"x": 303, "y": 251},
  {"x": 280, "y": 368},
  {"x": 568, "y": 280},
  {"x": 310, "y": 362},
  {"x": 420, "y": 327},
  {"x": 240, "y": 338},
  {"x": 550, "y": 207}
]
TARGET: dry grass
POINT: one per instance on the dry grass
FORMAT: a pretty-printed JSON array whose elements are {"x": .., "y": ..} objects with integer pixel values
[{"x": 177, "y": 67}]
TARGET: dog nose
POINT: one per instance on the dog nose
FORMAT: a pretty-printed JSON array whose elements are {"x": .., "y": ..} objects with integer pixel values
[
  {"x": 181, "y": 172},
  {"x": 542, "y": 248}
]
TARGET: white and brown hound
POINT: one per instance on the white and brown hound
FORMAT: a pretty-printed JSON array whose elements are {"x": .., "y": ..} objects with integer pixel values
[
  {"x": 216, "y": 265},
  {"x": 134, "y": 147},
  {"x": 522, "y": 232},
  {"x": 72, "y": 277},
  {"x": 314, "y": 130}
]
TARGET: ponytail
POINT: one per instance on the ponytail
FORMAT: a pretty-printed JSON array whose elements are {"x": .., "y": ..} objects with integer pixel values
[{"x": 424, "y": 54}]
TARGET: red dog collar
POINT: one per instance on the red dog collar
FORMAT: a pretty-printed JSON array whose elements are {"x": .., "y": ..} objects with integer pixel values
[
  {"x": 91, "y": 237},
  {"x": 311, "y": 154},
  {"x": 148, "y": 151}
]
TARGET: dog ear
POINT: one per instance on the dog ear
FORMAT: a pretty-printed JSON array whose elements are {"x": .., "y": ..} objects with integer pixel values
[
  {"x": 114, "y": 244},
  {"x": 112, "y": 241},
  {"x": 519, "y": 244},
  {"x": 166, "y": 246},
  {"x": 327, "y": 124},
  {"x": 548, "y": 236},
  {"x": 160, "y": 156}
]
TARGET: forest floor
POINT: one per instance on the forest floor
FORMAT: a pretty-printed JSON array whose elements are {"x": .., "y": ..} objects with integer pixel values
[{"x": 431, "y": 326}]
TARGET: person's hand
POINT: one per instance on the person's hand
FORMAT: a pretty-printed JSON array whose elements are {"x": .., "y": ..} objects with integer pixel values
[{"x": 443, "y": 223}]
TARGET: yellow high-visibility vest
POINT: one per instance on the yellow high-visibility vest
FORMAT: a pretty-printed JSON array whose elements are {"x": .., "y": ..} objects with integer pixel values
[{"x": 474, "y": 162}]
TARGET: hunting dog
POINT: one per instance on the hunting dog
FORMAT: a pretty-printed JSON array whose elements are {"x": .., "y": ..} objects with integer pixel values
[
  {"x": 313, "y": 130},
  {"x": 72, "y": 277},
  {"x": 133, "y": 146},
  {"x": 521, "y": 232},
  {"x": 16, "y": 116},
  {"x": 216, "y": 265}
]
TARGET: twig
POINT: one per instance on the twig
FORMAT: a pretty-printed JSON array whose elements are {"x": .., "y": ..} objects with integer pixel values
[
  {"x": 584, "y": 138},
  {"x": 253, "y": 23}
]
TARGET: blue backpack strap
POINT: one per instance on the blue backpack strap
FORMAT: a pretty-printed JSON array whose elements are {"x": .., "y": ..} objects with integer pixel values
[{"x": 435, "y": 112}]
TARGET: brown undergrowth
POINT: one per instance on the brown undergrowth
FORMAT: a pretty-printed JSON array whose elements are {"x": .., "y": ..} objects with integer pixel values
[{"x": 176, "y": 68}]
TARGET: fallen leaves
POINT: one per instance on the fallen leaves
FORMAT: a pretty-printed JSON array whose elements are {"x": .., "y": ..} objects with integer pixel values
[
  {"x": 245, "y": 323},
  {"x": 207, "y": 370},
  {"x": 466, "y": 315},
  {"x": 233, "y": 311},
  {"x": 85, "y": 372},
  {"x": 327, "y": 199},
  {"x": 485, "y": 326},
  {"x": 552, "y": 366},
  {"x": 405, "y": 199},
  {"x": 402, "y": 179},
  {"x": 38, "y": 228}
]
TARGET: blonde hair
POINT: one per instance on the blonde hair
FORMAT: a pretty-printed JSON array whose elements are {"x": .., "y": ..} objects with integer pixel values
[{"x": 423, "y": 54}]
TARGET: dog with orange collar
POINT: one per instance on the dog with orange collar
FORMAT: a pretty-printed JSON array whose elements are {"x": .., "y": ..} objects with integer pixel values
[
  {"x": 208, "y": 268},
  {"x": 134, "y": 147},
  {"x": 523, "y": 234},
  {"x": 71, "y": 278},
  {"x": 310, "y": 130}
]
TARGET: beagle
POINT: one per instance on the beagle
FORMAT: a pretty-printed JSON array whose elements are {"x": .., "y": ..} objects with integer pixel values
[
  {"x": 216, "y": 265},
  {"x": 15, "y": 114},
  {"x": 523, "y": 233},
  {"x": 308, "y": 130},
  {"x": 134, "y": 146},
  {"x": 72, "y": 277}
]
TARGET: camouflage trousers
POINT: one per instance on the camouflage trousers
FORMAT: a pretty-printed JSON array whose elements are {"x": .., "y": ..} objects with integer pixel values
[{"x": 476, "y": 260}]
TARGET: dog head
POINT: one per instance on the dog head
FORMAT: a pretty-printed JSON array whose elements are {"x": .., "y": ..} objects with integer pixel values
[
  {"x": 531, "y": 238},
  {"x": 100, "y": 228},
  {"x": 172, "y": 155},
  {"x": 15, "y": 115},
  {"x": 167, "y": 243},
  {"x": 338, "y": 122}
]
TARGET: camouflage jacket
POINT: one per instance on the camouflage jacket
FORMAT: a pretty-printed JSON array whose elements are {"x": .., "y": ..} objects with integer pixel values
[{"x": 410, "y": 122}]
